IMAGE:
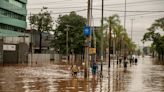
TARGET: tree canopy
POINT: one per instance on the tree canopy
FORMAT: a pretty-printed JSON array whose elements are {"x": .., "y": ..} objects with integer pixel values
[
  {"x": 75, "y": 24},
  {"x": 121, "y": 37},
  {"x": 154, "y": 35},
  {"x": 41, "y": 22}
]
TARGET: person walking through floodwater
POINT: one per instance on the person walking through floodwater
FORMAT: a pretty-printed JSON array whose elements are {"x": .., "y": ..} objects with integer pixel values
[
  {"x": 136, "y": 60},
  {"x": 94, "y": 68},
  {"x": 74, "y": 70},
  {"x": 120, "y": 60},
  {"x": 125, "y": 62}
]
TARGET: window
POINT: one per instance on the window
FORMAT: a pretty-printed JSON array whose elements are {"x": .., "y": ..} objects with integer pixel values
[
  {"x": 13, "y": 28},
  {"x": 17, "y": 3},
  {"x": 12, "y": 14}
]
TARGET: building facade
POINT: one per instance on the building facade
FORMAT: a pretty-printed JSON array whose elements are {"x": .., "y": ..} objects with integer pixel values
[
  {"x": 13, "y": 15},
  {"x": 14, "y": 42}
]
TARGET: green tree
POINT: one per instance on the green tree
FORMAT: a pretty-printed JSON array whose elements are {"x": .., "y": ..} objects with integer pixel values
[
  {"x": 41, "y": 22},
  {"x": 121, "y": 39},
  {"x": 112, "y": 22},
  {"x": 156, "y": 37},
  {"x": 118, "y": 31},
  {"x": 75, "y": 33}
]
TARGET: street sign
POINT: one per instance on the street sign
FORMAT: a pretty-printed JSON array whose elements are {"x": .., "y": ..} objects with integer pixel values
[
  {"x": 86, "y": 31},
  {"x": 92, "y": 50},
  {"x": 9, "y": 47}
]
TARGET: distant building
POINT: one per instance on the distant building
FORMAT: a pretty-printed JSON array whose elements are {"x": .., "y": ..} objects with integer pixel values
[{"x": 46, "y": 41}]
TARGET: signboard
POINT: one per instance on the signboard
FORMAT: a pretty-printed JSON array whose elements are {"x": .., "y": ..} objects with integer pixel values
[
  {"x": 86, "y": 31},
  {"x": 9, "y": 47},
  {"x": 92, "y": 50}
]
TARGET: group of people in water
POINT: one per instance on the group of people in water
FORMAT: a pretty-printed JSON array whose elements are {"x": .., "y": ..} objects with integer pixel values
[
  {"x": 94, "y": 67},
  {"x": 75, "y": 69},
  {"x": 132, "y": 60}
]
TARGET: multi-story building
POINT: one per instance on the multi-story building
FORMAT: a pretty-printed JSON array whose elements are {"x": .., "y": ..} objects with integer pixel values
[
  {"x": 12, "y": 31},
  {"x": 12, "y": 17}
]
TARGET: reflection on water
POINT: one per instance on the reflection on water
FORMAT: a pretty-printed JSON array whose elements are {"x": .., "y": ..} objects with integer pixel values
[{"x": 146, "y": 76}]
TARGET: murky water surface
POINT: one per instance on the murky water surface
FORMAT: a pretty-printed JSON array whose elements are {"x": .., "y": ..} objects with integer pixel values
[{"x": 146, "y": 76}]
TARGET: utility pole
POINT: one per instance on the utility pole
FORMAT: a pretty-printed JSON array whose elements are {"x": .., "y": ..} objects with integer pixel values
[
  {"x": 102, "y": 20},
  {"x": 124, "y": 27},
  {"x": 110, "y": 29},
  {"x": 125, "y": 16},
  {"x": 86, "y": 74},
  {"x": 132, "y": 34},
  {"x": 31, "y": 45},
  {"x": 67, "y": 29},
  {"x": 132, "y": 29}
]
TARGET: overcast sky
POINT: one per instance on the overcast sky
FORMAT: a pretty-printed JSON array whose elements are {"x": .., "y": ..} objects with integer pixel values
[{"x": 142, "y": 20}]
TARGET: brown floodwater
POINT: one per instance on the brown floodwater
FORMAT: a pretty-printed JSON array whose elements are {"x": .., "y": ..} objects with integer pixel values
[{"x": 146, "y": 76}]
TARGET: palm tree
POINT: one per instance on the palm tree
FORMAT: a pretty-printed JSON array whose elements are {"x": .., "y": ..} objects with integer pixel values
[
  {"x": 112, "y": 22},
  {"x": 118, "y": 31}
]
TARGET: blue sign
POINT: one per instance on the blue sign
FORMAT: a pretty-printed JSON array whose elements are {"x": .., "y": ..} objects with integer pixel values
[{"x": 86, "y": 31}]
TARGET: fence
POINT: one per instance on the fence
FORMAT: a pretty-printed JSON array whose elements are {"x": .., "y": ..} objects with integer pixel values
[{"x": 54, "y": 58}]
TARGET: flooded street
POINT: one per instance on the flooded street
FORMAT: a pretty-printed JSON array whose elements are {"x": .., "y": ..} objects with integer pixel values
[{"x": 146, "y": 76}]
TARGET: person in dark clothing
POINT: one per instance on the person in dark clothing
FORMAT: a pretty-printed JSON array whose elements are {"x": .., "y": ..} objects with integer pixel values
[
  {"x": 117, "y": 62},
  {"x": 94, "y": 68},
  {"x": 125, "y": 64},
  {"x": 120, "y": 60},
  {"x": 136, "y": 60},
  {"x": 131, "y": 60}
]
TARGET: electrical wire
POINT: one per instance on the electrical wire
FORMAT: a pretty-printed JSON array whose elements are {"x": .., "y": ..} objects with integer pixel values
[
  {"x": 124, "y": 11},
  {"x": 109, "y": 5}
]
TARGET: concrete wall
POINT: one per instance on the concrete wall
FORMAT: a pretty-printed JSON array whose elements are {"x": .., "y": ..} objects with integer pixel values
[
  {"x": 19, "y": 56},
  {"x": 23, "y": 53},
  {"x": 47, "y": 58},
  {"x": 10, "y": 57},
  {"x": 39, "y": 58},
  {"x": 17, "y": 40}
]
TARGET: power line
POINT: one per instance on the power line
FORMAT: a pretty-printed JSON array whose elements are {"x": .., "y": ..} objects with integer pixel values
[
  {"x": 49, "y": 3},
  {"x": 116, "y": 4},
  {"x": 132, "y": 5},
  {"x": 60, "y": 7},
  {"x": 124, "y": 11},
  {"x": 68, "y": 11},
  {"x": 144, "y": 14},
  {"x": 52, "y": 13},
  {"x": 52, "y": 2}
]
